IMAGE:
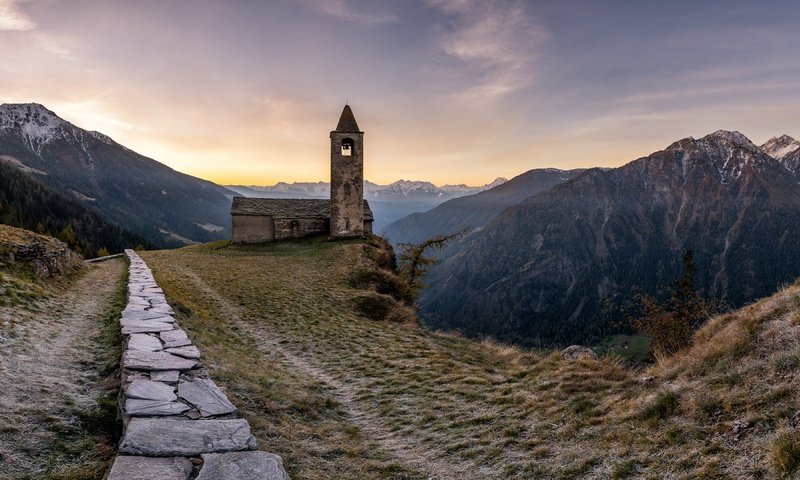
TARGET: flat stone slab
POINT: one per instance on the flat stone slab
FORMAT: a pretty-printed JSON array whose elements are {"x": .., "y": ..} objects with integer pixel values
[
  {"x": 150, "y": 390},
  {"x": 206, "y": 396},
  {"x": 242, "y": 466},
  {"x": 163, "y": 308},
  {"x": 144, "y": 315},
  {"x": 150, "y": 468},
  {"x": 132, "y": 307},
  {"x": 150, "y": 298},
  {"x": 142, "y": 341},
  {"x": 163, "y": 318},
  {"x": 189, "y": 351},
  {"x": 144, "y": 326},
  {"x": 137, "y": 301},
  {"x": 166, "y": 437},
  {"x": 144, "y": 360},
  {"x": 174, "y": 338},
  {"x": 136, "y": 407},
  {"x": 165, "y": 376}
]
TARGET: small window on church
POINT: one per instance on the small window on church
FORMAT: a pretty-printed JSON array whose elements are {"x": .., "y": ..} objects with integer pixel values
[{"x": 347, "y": 147}]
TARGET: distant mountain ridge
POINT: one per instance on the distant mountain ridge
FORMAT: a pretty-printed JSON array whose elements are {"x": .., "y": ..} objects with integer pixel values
[
  {"x": 389, "y": 202},
  {"x": 475, "y": 210},
  {"x": 166, "y": 207},
  {"x": 402, "y": 188},
  {"x": 541, "y": 271}
]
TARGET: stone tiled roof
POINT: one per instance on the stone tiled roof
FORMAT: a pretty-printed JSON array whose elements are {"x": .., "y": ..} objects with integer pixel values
[
  {"x": 288, "y": 208},
  {"x": 347, "y": 122}
]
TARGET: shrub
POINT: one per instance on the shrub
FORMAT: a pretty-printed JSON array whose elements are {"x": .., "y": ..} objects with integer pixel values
[
  {"x": 382, "y": 281},
  {"x": 375, "y": 307},
  {"x": 401, "y": 313},
  {"x": 661, "y": 407},
  {"x": 786, "y": 451},
  {"x": 672, "y": 323},
  {"x": 623, "y": 469}
]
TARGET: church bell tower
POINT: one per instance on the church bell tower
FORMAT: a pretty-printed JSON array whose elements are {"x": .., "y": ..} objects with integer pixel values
[{"x": 347, "y": 178}]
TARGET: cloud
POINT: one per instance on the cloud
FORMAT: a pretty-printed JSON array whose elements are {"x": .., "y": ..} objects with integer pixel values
[
  {"x": 496, "y": 40},
  {"x": 11, "y": 18},
  {"x": 344, "y": 10}
]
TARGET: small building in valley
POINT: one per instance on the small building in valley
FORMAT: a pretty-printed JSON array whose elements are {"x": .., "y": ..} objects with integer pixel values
[{"x": 345, "y": 215}]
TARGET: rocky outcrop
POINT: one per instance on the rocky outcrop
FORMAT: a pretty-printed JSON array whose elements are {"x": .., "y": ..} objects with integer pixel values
[
  {"x": 45, "y": 256},
  {"x": 575, "y": 352},
  {"x": 175, "y": 417}
]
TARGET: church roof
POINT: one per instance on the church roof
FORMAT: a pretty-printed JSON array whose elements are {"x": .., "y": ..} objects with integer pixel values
[
  {"x": 347, "y": 122},
  {"x": 288, "y": 208}
]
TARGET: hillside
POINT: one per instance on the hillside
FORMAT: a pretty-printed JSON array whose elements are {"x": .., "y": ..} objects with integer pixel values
[
  {"x": 166, "y": 207},
  {"x": 340, "y": 396},
  {"x": 28, "y": 203},
  {"x": 543, "y": 271},
  {"x": 475, "y": 210}
]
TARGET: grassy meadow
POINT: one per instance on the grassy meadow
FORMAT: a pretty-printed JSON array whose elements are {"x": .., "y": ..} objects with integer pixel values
[{"x": 342, "y": 396}]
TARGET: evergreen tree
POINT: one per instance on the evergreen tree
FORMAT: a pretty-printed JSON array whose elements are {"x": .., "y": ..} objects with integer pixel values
[{"x": 672, "y": 323}]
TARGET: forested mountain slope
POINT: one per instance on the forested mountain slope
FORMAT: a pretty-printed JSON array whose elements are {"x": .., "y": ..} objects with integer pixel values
[
  {"x": 166, "y": 207},
  {"x": 28, "y": 203}
]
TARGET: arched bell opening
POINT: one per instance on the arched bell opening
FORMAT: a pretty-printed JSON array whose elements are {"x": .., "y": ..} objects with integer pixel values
[{"x": 348, "y": 146}]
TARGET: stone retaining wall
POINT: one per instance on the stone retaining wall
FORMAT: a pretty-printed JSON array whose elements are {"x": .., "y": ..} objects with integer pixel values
[
  {"x": 103, "y": 259},
  {"x": 177, "y": 423}
]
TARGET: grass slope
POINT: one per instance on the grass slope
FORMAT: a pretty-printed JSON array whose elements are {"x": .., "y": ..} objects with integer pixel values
[{"x": 341, "y": 396}]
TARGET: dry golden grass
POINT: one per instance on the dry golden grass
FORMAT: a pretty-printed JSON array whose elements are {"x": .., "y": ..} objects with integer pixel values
[{"x": 342, "y": 396}]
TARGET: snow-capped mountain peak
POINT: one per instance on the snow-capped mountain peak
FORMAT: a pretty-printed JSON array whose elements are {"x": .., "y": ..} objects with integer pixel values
[
  {"x": 34, "y": 120},
  {"x": 496, "y": 182},
  {"x": 779, "y": 147},
  {"x": 729, "y": 152}
]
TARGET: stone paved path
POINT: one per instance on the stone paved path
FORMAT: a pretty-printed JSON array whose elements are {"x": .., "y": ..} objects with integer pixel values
[
  {"x": 49, "y": 374},
  {"x": 169, "y": 401}
]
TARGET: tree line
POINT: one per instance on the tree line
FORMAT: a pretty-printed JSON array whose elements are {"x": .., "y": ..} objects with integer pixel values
[{"x": 27, "y": 203}]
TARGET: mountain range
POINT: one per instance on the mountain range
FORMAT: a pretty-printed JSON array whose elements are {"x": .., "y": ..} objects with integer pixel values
[
  {"x": 388, "y": 202},
  {"x": 166, "y": 207},
  {"x": 541, "y": 271}
]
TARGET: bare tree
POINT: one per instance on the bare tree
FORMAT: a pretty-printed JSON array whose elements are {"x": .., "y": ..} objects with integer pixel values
[{"x": 414, "y": 264}]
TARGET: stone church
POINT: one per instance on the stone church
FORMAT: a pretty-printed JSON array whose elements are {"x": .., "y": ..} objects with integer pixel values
[{"x": 345, "y": 215}]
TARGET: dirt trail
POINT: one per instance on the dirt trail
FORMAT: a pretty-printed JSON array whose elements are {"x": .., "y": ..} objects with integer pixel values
[
  {"x": 405, "y": 449},
  {"x": 49, "y": 373}
]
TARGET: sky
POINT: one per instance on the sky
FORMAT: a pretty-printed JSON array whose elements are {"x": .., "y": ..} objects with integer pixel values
[{"x": 448, "y": 91}]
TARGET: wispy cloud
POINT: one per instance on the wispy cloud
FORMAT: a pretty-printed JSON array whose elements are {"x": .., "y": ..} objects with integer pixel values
[
  {"x": 496, "y": 39},
  {"x": 12, "y": 18},
  {"x": 344, "y": 10}
]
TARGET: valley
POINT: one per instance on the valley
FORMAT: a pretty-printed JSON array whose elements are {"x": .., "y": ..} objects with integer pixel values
[{"x": 556, "y": 267}]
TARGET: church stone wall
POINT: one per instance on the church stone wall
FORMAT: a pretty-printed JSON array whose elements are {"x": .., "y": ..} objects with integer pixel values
[
  {"x": 252, "y": 229},
  {"x": 287, "y": 228}
]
